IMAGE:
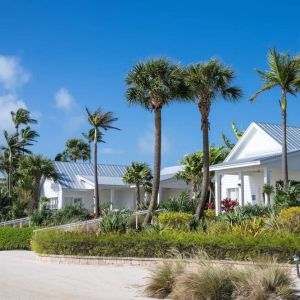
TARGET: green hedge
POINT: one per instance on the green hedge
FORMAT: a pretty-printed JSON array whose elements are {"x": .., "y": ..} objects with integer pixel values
[
  {"x": 162, "y": 244},
  {"x": 15, "y": 238}
]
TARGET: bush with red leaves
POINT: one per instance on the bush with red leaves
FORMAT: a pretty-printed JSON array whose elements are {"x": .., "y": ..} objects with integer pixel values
[{"x": 227, "y": 205}]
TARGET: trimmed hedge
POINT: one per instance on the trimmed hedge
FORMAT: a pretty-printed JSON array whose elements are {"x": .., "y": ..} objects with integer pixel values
[
  {"x": 15, "y": 238},
  {"x": 163, "y": 244}
]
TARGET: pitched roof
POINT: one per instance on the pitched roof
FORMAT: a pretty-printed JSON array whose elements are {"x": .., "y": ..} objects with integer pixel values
[
  {"x": 275, "y": 131},
  {"x": 69, "y": 172}
]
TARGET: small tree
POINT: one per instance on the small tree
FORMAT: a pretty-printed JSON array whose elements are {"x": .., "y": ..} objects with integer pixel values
[{"x": 140, "y": 175}]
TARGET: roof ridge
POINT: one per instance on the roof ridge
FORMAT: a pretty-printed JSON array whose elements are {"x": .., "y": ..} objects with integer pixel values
[
  {"x": 274, "y": 124},
  {"x": 87, "y": 164}
]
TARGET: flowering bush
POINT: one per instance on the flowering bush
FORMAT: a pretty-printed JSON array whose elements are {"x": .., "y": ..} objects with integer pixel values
[{"x": 228, "y": 205}]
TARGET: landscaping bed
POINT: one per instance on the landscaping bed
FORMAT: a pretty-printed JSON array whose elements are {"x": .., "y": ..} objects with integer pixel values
[
  {"x": 15, "y": 238},
  {"x": 167, "y": 243}
]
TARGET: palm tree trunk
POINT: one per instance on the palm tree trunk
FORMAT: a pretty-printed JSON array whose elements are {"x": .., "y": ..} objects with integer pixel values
[
  {"x": 96, "y": 192},
  {"x": 138, "y": 196},
  {"x": 10, "y": 175},
  {"x": 284, "y": 145},
  {"x": 205, "y": 180},
  {"x": 157, "y": 164},
  {"x": 35, "y": 194}
]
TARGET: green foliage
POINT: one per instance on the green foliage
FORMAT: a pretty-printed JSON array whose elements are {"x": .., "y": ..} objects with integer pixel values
[
  {"x": 287, "y": 195},
  {"x": 175, "y": 220},
  {"x": 252, "y": 227},
  {"x": 68, "y": 214},
  {"x": 114, "y": 221},
  {"x": 183, "y": 203},
  {"x": 15, "y": 238},
  {"x": 163, "y": 244}
]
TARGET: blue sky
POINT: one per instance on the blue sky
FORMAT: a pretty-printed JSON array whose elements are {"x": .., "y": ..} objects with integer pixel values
[{"x": 56, "y": 57}]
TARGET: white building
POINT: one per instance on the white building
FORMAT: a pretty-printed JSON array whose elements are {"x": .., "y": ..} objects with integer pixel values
[
  {"x": 76, "y": 185},
  {"x": 254, "y": 161}
]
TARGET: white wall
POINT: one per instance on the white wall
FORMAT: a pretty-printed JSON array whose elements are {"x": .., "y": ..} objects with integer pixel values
[
  {"x": 166, "y": 193},
  {"x": 124, "y": 198}
]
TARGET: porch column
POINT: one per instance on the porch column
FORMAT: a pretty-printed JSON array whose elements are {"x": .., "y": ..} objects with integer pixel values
[
  {"x": 112, "y": 198},
  {"x": 241, "y": 189},
  {"x": 267, "y": 181},
  {"x": 159, "y": 196},
  {"x": 218, "y": 177}
]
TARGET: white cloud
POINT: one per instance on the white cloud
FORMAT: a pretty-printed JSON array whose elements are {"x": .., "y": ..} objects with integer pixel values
[
  {"x": 63, "y": 99},
  {"x": 8, "y": 103},
  {"x": 146, "y": 143},
  {"x": 111, "y": 151},
  {"x": 12, "y": 74}
]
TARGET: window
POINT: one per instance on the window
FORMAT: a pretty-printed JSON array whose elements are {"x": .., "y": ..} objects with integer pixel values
[
  {"x": 52, "y": 203},
  {"x": 77, "y": 201},
  {"x": 232, "y": 193}
]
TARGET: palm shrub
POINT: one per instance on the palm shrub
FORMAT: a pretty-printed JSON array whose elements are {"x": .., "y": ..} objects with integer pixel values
[
  {"x": 114, "y": 221},
  {"x": 287, "y": 195},
  {"x": 182, "y": 203}
]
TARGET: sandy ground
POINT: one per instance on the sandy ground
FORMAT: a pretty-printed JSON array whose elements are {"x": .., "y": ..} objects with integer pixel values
[{"x": 23, "y": 277}]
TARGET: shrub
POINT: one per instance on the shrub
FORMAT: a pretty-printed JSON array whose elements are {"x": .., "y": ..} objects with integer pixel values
[
  {"x": 289, "y": 218},
  {"x": 255, "y": 210},
  {"x": 287, "y": 195},
  {"x": 209, "y": 214},
  {"x": 175, "y": 220},
  {"x": 228, "y": 205},
  {"x": 162, "y": 244},
  {"x": 15, "y": 238},
  {"x": 249, "y": 227},
  {"x": 207, "y": 282},
  {"x": 68, "y": 214},
  {"x": 114, "y": 221},
  {"x": 183, "y": 203},
  {"x": 162, "y": 280}
]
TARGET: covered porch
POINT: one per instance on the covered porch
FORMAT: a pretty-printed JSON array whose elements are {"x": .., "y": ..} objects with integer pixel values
[{"x": 244, "y": 180}]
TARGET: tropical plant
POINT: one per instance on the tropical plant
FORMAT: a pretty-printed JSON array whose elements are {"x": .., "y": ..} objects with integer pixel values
[
  {"x": 289, "y": 218},
  {"x": 99, "y": 120},
  {"x": 140, "y": 175},
  {"x": 175, "y": 220},
  {"x": 182, "y": 203},
  {"x": 13, "y": 148},
  {"x": 238, "y": 134},
  {"x": 154, "y": 84},
  {"x": 287, "y": 195},
  {"x": 283, "y": 73},
  {"x": 207, "y": 82},
  {"x": 22, "y": 117},
  {"x": 37, "y": 167},
  {"x": 114, "y": 221},
  {"x": 77, "y": 149}
]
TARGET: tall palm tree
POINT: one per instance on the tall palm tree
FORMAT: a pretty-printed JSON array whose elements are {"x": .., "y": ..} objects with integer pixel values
[
  {"x": 14, "y": 146},
  {"x": 89, "y": 136},
  {"x": 28, "y": 136},
  {"x": 207, "y": 82},
  {"x": 140, "y": 175},
  {"x": 22, "y": 116},
  {"x": 77, "y": 149},
  {"x": 37, "y": 167},
  {"x": 283, "y": 73},
  {"x": 154, "y": 84},
  {"x": 99, "y": 120}
]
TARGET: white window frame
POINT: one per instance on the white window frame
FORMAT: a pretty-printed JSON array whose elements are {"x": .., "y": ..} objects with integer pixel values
[{"x": 230, "y": 190}]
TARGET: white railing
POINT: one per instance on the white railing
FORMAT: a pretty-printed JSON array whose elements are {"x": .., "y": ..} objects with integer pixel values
[
  {"x": 17, "y": 222},
  {"x": 86, "y": 224},
  {"x": 80, "y": 224}
]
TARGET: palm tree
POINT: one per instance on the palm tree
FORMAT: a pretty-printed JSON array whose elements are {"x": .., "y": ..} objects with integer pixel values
[
  {"x": 28, "y": 136},
  {"x": 14, "y": 146},
  {"x": 99, "y": 121},
  {"x": 90, "y": 138},
  {"x": 37, "y": 167},
  {"x": 140, "y": 175},
  {"x": 153, "y": 85},
  {"x": 192, "y": 172},
  {"x": 22, "y": 116},
  {"x": 207, "y": 82},
  {"x": 77, "y": 149},
  {"x": 227, "y": 142},
  {"x": 283, "y": 72}
]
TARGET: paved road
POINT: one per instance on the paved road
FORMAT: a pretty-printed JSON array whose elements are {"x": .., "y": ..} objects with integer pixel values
[{"x": 23, "y": 277}]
